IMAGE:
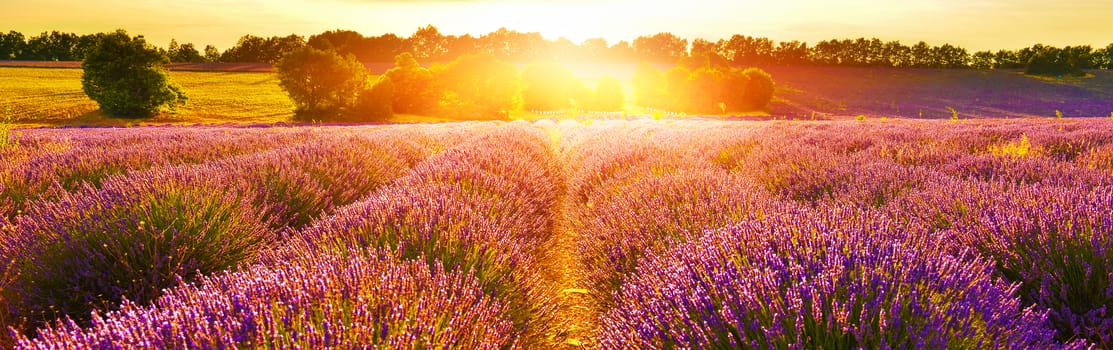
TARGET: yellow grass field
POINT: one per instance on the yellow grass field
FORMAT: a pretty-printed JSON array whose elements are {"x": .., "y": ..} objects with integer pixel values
[{"x": 52, "y": 97}]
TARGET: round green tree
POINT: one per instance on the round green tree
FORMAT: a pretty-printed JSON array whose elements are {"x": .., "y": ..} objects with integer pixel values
[
  {"x": 124, "y": 75},
  {"x": 322, "y": 84}
]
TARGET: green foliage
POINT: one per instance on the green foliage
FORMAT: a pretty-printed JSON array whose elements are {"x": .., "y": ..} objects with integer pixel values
[
  {"x": 94, "y": 247},
  {"x": 322, "y": 84},
  {"x": 608, "y": 95},
  {"x": 415, "y": 91},
  {"x": 374, "y": 103},
  {"x": 478, "y": 86},
  {"x": 703, "y": 84},
  {"x": 954, "y": 114},
  {"x": 759, "y": 90},
  {"x": 124, "y": 75},
  {"x": 1053, "y": 61}
]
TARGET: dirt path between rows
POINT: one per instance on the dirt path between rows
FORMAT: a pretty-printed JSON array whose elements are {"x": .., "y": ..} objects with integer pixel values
[{"x": 576, "y": 313}]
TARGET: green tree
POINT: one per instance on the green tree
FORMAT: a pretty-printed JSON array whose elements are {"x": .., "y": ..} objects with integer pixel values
[
  {"x": 479, "y": 85},
  {"x": 415, "y": 91},
  {"x": 374, "y": 102},
  {"x": 183, "y": 53},
  {"x": 759, "y": 90},
  {"x": 661, "y": 47},
  {"x": 322, "y": 84},
  {"x": 124, "y": 75},
  {"x": 212, "y": 54}
]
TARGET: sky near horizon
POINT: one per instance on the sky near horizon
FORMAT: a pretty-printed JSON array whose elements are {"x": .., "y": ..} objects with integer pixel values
[{"x": 973, "y": 24}]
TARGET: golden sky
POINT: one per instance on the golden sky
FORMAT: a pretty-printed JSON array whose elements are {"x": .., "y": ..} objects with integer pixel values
[{"x": 973, "y": 24}]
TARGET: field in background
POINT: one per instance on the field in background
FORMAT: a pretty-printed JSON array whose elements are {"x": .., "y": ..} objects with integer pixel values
[
  {"x": 53, "y": 97},
  {"x": 33, "y": 95}
]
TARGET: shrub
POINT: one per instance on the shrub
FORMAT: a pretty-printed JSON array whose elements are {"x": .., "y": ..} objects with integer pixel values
[
  {"x": 798, "y": 281},
  {"x": 322, "y": 84},
  {"x": 375, "y": 102},
  {"x": 130, "y": 239},
  {"x": 759, "y": 90},
  {"x": 124, "y": 75},
  {"x": 415, "y": 91},
  {"x": 479, "y": 86},
  {"x": 319, "y": 301}
]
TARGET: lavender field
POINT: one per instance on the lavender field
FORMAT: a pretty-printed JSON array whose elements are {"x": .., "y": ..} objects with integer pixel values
[{"x": 598, "y": 234}]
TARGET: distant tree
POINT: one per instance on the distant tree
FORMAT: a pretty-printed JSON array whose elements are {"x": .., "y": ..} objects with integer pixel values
[
  {"x": 344, "y": 42},
  {"x": 921, "y": 55},
  {"x": 661, "y": 47},
  {"x": 124, "y": 75},
  {"x": 706, "y": 91},
  {"x": 252, "y": 48},
  {"x": 428, "y": 43},
  {"x": 414, "y": 90},
  {"x": 759, "y": 90},
  {"x": 824, "y": 53},
  {"x": 548, "y": 86},
  {"x": 513, "y": 45},
  {"x": 982, "y": 60},
  {"x": 85, "y": 44},
  {"x": 792, "y": 53},
  {"x": 1103, "y": 58},
  {"x": 735, "y": 85},
  {"x": 897, "y": 54},
  {"x": 479, "y": 86},
  {"x": 1053, "y": 61},
  {"x": 212, "y": 54},
  {"x": 12, "y": 45},
  {"x": 702, "y": 46},
  {"x": 950, "y": 56},
  {"x": 622, "y": 51},
  {"x": 747, "y": 50},
  {"x": 384, "y": 47},
  {"x": 52, "y": 46},
  {"x": 183, "y": 53},
  {"x": 1005, "y": 59},
  {"x": 649, "y": 86},
  {"x": 374, "y": 102},
  {"x": 608, "y": 95},
  {"x": 322, "y": 84}
]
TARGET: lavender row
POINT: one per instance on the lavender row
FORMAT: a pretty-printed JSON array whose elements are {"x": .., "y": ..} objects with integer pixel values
[
  {"x": 484, "y": 207},
  {"x": 60, "y": 160},
  {"x": 477, "y": 213},
  {"x": 323, "y": 300},
  {"x": 875, "y": 169},
  {"x": 130, "y": 237},
  {"x": 827, "y": 278},
  {"x": 635, "y": 195}
]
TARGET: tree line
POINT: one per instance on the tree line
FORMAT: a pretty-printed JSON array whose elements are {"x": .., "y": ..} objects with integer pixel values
[{"x": 428, "y": 44}]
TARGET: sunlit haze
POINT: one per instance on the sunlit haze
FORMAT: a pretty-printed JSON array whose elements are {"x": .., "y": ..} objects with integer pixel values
[{"x": 973, "y": 24}]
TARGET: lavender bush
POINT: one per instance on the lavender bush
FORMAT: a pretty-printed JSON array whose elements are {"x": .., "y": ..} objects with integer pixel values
[
  {"x": 359, "y": 300},
  {"x": 129, "y": 239},
  {"x": 801, "y": 280}
]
